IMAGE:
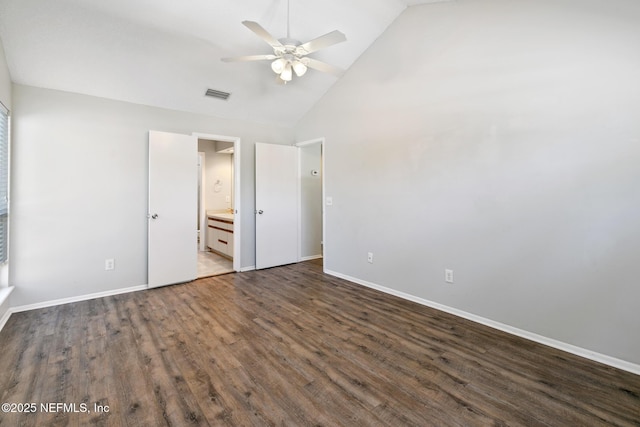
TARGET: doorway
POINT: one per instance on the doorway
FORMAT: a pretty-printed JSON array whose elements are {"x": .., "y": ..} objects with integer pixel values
[
  {"x": 218, "y": 203},
  {"x": 289, "y": 183},
  {"x": 311, "y": 213}
]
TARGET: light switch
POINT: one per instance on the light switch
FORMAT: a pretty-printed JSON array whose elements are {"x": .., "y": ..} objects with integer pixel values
[{"x": 329, "y": 201}]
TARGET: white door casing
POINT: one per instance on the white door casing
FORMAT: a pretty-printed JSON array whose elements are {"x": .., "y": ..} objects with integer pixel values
[
  {"x": 173, "y": 183},
  {"x": 302, "y": 227},
  {"x": 276, "y": 205},
  {"x": 202, "y": 214}
]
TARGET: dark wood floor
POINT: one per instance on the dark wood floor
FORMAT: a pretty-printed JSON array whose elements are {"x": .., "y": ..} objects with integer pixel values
[{"x": 291, "y": 346}]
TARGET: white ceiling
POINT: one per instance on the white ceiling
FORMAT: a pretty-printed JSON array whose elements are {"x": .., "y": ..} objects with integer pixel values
[{"x": 166, "y": 53}]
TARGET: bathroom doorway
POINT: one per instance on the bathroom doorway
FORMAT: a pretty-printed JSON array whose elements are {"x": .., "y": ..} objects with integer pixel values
[{"x": 218, "y": 231}]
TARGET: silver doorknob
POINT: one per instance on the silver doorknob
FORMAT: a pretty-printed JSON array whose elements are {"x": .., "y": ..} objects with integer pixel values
[
  {"x": 154, "y": 216},
  {"x": 260, "y": 212}
]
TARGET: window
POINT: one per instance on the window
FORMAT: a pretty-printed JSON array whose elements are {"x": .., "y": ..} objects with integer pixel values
[{"x": 4, "y": 182}]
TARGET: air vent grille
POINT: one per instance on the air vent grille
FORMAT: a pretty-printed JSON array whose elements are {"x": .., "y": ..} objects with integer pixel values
[{"x": 217, "y": 94}]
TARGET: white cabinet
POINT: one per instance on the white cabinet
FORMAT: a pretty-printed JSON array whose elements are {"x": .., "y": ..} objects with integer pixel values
[
  {"x": 211, "y": 237},
  {"x": 220, "y": 235}
]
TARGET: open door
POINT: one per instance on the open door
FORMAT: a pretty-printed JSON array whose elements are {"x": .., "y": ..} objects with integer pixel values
[
  {"x": 173, "y": 183},
  {"x": 276, "y": 205}
]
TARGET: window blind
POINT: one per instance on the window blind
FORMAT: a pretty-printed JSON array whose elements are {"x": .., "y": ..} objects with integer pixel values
[{"x": 4, "y": 182}]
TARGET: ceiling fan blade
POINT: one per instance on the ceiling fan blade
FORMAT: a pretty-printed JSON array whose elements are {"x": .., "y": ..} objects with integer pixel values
[
  {"x": 262, "y": 33},
  {"x": 322, "y": 66},
  {"x": 249, "y": 58},
  {"x": 329, "y": 39}
]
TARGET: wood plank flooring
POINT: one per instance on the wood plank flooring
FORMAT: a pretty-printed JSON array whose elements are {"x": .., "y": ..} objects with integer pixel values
[{"x": 291, "y": 346}]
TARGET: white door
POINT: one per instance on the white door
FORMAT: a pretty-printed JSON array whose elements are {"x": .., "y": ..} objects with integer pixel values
[
  {"x": 276, "y": 205},
  {"x": 173, "y": 183}
]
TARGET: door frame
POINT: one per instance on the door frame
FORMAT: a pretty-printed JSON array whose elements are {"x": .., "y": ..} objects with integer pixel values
[
  {"x": 202, "y": 214},
  {"x": 237, "y": 223},
  {"x": 301, "y": 144}
]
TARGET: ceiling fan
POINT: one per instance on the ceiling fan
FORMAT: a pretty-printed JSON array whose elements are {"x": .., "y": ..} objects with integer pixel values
[{"x": 290, "y": 55}]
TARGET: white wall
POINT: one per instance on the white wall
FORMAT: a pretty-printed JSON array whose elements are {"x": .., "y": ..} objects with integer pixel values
[
  {"x": 501, "y": 139},
  {"x": 5, "y": 98},
  {"x": 79, "y": 186},
  {"x": 5, "y": 79}
]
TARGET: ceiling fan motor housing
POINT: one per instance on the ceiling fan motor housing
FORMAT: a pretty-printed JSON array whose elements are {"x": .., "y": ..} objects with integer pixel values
[{"x": 288, "y": 42}]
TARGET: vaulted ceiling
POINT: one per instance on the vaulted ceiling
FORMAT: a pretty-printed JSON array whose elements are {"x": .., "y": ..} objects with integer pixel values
[{"x": 167, "y": 53}]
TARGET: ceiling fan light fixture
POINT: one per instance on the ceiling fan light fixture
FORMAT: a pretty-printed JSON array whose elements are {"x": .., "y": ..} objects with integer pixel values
[
  {"x": 299, "y": 68},
  {"x": 287, "y": 74},
  {"x": 289, "y": 55},
  {"x": 278, "y": 65}
]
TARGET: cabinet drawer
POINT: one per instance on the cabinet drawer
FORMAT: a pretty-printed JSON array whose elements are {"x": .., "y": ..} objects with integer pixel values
[
  {"x": 220, "y": 240},
  {"x": 220, "y": 224}
]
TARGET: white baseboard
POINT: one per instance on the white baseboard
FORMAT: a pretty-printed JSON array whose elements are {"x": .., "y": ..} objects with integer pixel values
[
  {"x": 249, "y": 268},
  {"x": 5, "y": 292},
  {"x": 569, "y": 348},
  {"x": 77, "y": 298},
  {"x": 5, "y": 318},
  {"x": 309, "y": 258},
  {"x": 4, "y": 297}
]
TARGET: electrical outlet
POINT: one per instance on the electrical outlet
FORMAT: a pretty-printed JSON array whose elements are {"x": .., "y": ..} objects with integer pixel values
[
  {"x": 109, "y": 264},
  {"x": 370, "y": 257},
  {"x": 448, "y": 276}
]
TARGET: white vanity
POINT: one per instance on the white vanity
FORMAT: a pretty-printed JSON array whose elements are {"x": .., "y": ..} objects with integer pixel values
[{"x": 220, "y": 233}]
